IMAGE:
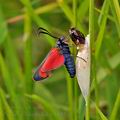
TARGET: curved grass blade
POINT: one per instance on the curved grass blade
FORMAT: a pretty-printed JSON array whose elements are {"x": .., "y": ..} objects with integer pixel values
[
  {"x": 114, "y": 5},
  {"x": 103, "y": 117},
  {"x": 116, "y": 107},
  {"x": 102, "y": 21},
  {"x": 37, "y": 19},
  {"x": 10, "y": 88},
  {"x": 3, "y": 27},
  {"x": 8, "y": 110},
  {"x": 1, "y": 110},
  {"x": 50, "y": 108},
  {"x": 66, "y": 9}
]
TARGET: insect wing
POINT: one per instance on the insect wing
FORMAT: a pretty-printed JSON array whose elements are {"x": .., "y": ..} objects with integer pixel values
[
  {"x": 53, "y": 61},
  {"x": 83, "y": 69}
]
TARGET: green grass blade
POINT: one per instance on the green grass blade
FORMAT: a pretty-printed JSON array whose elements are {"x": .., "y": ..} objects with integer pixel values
[
  {"x": 104, "y": 12},
  {"x": 28, "y": 53},
  {"x": 50, "y": 108},
  {"x": 114, "y": 5},
  {"x": 103, "y": 117},
  {"x": 102, "y": 29},
  {"x": 37, "y": 20},
  {"x": 91, "y": 32},
  {"x": 46, "y": 94},
  {"x": 70, "y": 96},
  {"x": 1, "y": 110},
  {"x": 8, "y": 110},
  {"x": 13, "y": 63},
  {"x": 91, "y": 22},
  {"x": 74, "y": 52},
  {"x": 3, "y": 27},
  {"x": 117, "y": 9},
  {"x": 75, "y": 12},
  {"x": 81, "y": 110},
  {"x": 40, "y": 10},
  {"x": 115, "y": 108},
  {"x": 6, "y": 76},
  {"x": 28, "y": 64},
  {"x": 82, "y": 10},
  {"x": 67, "y": 11},
  {"x": 46, "y": 8},
  {"x": 10, "y": 87},
  {"x": 110, "y": 17}
]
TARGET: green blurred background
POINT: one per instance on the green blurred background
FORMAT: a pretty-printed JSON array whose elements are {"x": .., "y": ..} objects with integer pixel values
[{"x": 58, "y": 97}]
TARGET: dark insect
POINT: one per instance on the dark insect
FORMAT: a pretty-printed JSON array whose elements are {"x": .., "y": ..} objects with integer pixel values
[{"x": 77, "y": 36}]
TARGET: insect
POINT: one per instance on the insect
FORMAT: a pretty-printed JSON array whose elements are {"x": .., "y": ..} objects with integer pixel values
[
  {"x": 58, "y": 56},
  {"x": 82, "y": 60}
]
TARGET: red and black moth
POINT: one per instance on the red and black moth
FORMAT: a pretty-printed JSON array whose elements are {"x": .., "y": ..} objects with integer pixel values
[{"x": 58, "y": 56}]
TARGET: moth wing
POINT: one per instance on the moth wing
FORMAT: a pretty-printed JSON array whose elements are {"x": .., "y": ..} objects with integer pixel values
[{"x": 53, "y": 60}]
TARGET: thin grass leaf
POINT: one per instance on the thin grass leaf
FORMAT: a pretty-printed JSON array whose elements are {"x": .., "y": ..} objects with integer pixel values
[
  {"x": 46, "y": 94},
  {"x": 6, "y": 76},
  {"x": 82, "y": 10},
  {"x": 103, "y": 117},
  {"x": 10, "y": 88},
  {"x": 28, "y": 63},
  {"x": 117, "y": 9},
  {"x": 114, "y": 5},
  {"x": 102, "y": 29},
  {"x": 111, "y": 18},
  {"x": 37, "y": 20},
  {"x": 74, "y": 52},
  {"x": 1, "y": 110},
  {"x": 46, "y": 8},
  {"x": 3, "y": 28},
  {"x": 91, "y": 32},
  {"x": 47, "y": 106},
  {"x": 40, "y": 10},
  {"x": 70, "y": 96},
  {"x": 116, "y": 107},
  {"x": 93, "y": 76},
  {"x": 67, "y": 11},
  {"x": 28, "y": 53},
  {"x": 104, "y": 12},
  {"x": 13, "y": 62},
  {"x": 81, "y": 110},
  {"x": 75, "y": 12},
  {"x": 8, "y": 110},
  {"x": 91, "y": 22}
]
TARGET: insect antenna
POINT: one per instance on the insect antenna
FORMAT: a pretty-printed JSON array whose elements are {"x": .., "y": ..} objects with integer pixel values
[{"x": 44, "y": 31}]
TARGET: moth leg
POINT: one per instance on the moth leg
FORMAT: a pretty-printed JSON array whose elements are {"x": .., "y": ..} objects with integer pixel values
[{"x": 82, "y": 59}]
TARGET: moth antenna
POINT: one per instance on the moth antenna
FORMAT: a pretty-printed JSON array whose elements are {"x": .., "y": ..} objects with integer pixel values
[{"x": 44, "y": 31}]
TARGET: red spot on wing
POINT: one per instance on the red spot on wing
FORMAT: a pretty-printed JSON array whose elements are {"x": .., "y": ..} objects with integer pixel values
[{"x": 53, "y": 60}]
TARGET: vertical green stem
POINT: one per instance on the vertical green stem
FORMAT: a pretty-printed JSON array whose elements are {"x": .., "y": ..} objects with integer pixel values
[
  {"x": 70, "y": 96},
  {"x": 28, "y": 62},
  {"x": 74, "y": 53},
  {"x": 91, "y": 32},
  {"x": 75, "y": 12},
  {"x": 93, "y": 60},
  {"x": 88, "y": 108}
]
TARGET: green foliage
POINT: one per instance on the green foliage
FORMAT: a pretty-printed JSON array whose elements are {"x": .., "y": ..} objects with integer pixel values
[
  {"x": 58, "y": 97},
  {"x": 3, "y": 30}
]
